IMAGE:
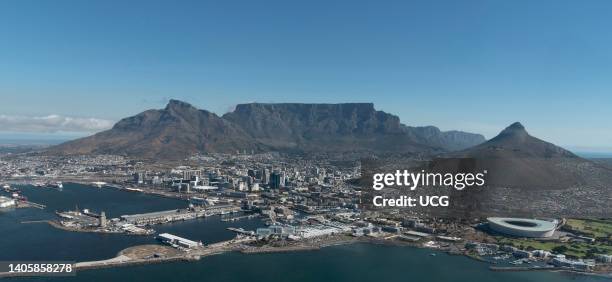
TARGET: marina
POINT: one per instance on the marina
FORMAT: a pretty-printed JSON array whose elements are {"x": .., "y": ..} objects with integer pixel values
[
  {"x": 241, "y": 231},
  {"x": 16, "y": 199},
  {"x": 236, "y": 218}
]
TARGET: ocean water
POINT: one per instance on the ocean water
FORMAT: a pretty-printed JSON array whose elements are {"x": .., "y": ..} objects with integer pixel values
[
  {"x": 350, "y": 263},
  {"x": 357, "y": 262},
  {"x": 40, "y": 241}
]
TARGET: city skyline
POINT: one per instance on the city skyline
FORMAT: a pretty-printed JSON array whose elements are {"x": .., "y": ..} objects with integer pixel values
[{"x": 473, "y": 66}]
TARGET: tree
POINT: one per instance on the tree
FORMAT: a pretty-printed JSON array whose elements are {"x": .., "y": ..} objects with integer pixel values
[{"x": 560, "y": 249}]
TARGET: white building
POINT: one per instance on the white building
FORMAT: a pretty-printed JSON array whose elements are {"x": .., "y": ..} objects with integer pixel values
[
  {"x": 6, "y": 202},
  {"x": 541, "y": 253},
  {"x": 255, "y": 187},
  {"x": 604, "y": 258},
  {"x": 577, "y": 264},
  {"x": 176, "y": 240}
]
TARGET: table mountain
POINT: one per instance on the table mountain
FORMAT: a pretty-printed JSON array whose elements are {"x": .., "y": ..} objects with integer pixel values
[
  {"x": 180, "y": 130},
  {"x": 350, "y": 126}
]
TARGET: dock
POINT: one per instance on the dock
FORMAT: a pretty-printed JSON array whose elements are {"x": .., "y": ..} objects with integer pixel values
[
  {"x": 32, "y": 204},
  {"x": 236, "y": 218},
  {"x": 523, "y": 268},
  {"x": 241, "y": 231}
]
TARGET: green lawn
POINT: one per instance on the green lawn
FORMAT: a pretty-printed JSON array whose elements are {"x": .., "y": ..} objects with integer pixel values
[
  {"x": 573, "y": 249},
  {"x": 594, "y": 228},
  {"x": 598, "y": 228}
]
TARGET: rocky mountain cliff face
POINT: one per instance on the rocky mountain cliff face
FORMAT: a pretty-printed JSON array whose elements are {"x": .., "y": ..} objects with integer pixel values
[
  {"x": 449, "y": 140},
  {"x": 356, "y": 125},
  {"x": 180, "y": 129}
]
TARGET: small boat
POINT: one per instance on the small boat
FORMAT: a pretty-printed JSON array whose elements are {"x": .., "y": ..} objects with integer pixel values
[
  {"x": 57, "y": 185},
  {"x": 133, "y": 189},
  {"x": 8, "y": 188},
  {"x": 98, "y": 184}
]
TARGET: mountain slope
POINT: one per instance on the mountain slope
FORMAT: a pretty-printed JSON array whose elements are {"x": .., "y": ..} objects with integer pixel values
[
  {"x": 180, "y": 130},
  {"x": 449, "y": 140},
  {"x": 529, "y": 177},
  {"x": 516, "y": 159},
  {"x": 170, "y": 133},
  {"x": 515, "y": 142}
]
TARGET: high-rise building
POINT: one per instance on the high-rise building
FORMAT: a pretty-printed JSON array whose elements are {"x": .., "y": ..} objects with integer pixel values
[
  {"x": 265, "y": 176},
  {"x": 156, "y": 180},
  {"x": 102, "y": 219},
  {"x": 277, "y": 179},
  {"x": 242, "y": 186},
  {"x": 283, "y": 179},
  {"x": 188, "y": 174},
  {"x": 139, "y": 177}
]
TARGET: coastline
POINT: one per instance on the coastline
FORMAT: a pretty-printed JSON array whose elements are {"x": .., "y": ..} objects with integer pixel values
[
  {"x": 123, "y": 260},
  {"x": 299, "y": 247}
]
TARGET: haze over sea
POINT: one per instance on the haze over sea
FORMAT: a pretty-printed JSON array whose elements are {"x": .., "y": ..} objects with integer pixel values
[{"x": 360, "y": 262}]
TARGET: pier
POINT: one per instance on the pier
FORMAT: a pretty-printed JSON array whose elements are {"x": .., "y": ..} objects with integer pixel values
[
  {"x": 525, "y": 268},
  {"x": 241, "y": 231},
  {"x": 236, "y": 218},
  {"x": 32, "y": 204}
]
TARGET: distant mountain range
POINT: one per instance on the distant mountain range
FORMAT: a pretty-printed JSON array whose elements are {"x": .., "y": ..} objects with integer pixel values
[
  {"x": 525, "y": 175},
  {"x": 180, "y": 130}
]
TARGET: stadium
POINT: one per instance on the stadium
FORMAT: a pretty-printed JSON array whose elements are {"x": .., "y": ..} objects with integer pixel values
[{"x": 523, "y": 227}]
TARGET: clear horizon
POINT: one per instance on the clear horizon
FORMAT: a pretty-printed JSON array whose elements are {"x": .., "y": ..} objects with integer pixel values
[{"x": 72, "y": 68}]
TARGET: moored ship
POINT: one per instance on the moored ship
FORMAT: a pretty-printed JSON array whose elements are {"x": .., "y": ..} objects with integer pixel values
[{"x": 57, "y": 185}]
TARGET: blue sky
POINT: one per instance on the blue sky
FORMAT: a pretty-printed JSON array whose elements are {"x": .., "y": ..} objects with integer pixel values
[{"x": 469, "y": 65}]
